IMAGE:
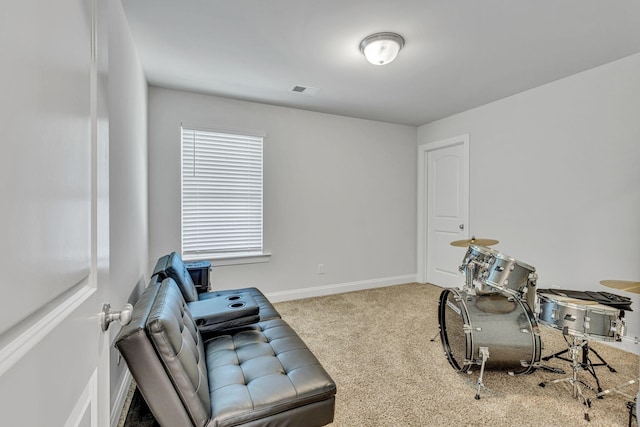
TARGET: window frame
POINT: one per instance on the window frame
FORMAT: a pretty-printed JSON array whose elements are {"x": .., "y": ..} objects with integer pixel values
[{"x": 231, "y": 257}]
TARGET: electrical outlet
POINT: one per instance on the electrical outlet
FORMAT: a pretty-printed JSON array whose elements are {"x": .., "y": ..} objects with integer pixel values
[{"x": 320, "y": 268}]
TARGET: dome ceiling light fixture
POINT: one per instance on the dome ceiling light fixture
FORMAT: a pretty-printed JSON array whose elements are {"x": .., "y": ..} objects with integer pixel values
[{"x": 381, "y": 48}]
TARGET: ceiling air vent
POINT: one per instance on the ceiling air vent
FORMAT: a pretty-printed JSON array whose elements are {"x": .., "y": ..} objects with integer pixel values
[{"x": 307, "y": 90}]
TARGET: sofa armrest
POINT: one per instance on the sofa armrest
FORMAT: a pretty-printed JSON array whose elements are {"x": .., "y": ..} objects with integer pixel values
[{"x": 224, "y": 312}]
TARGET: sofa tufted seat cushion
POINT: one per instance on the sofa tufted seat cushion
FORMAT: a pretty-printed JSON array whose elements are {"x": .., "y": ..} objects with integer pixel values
[{"x": 269, "y": 367}]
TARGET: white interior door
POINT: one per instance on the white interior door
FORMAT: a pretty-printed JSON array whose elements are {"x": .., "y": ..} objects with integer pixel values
[
  {"x": 444, "y": 198},
  {"x": 54, "y": 215}
]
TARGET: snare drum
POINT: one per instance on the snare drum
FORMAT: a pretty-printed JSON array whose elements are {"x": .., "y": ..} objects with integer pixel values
[
  {"x": 585, "y": 319},
  {"x": 508, "y": 274},
  {"x": 505, "y": 325},
  {"x": 479, "y": 257}
]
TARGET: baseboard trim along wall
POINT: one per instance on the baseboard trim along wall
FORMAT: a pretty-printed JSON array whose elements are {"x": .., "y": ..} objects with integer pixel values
[
  {"x": 630, "y": 344},
  {"x": 316, "y": 291},
  {"x": 121, "y": 397}
]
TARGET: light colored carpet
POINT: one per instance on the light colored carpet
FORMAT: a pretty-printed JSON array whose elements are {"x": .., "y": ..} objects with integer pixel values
[{"x": 376, "y": 345}]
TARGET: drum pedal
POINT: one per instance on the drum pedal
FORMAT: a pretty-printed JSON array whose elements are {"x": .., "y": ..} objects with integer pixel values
[
  {"x": 542, "y": 366},
  {"x": 552, "y": 369}
]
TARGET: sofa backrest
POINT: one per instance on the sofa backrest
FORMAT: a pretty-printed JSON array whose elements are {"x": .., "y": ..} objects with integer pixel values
[
  {"x": 172, "y": 266},
  {"x": 165, "y": 354}
]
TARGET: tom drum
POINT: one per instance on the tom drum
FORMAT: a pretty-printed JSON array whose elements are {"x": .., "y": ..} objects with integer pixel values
[
  {"x": 508, "y": 274},
  {"x": 479, "y": 257}
]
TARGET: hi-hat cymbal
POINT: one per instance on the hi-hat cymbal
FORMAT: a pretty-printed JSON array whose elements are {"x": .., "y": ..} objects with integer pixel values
[
  {"x": 474, "y": 241},
  {"x": 623, "y": 285}
]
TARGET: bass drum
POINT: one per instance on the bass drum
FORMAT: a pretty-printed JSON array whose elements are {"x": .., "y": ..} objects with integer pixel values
[{"x": 505, "y": 325}]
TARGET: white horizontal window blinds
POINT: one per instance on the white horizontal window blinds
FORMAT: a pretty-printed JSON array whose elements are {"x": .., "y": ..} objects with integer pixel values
[{"x": 221, "y": 193}]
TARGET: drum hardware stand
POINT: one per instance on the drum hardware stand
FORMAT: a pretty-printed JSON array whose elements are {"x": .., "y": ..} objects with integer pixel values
[
  {"x": 617, "y": 390},
  {"x": 631, "y": 403},
  {"x": 484, "y": 352},
  {"x": 632, "y": 412},
  {"x": 573, "y": 349},
  {"x": 468, "y": 284},
  {"x": 468, "y": 274},
  {"x": 586, "y": 363},
  {"x": 539, "y": 366}
]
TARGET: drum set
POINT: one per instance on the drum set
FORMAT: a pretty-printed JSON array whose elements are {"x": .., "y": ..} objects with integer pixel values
[{"x": 493, "y": 321}]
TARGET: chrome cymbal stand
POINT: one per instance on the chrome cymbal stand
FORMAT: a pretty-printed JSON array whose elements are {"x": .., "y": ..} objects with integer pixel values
[
  {"x": 618, "y": 389},
  {"x": 484, "y": 351},
  {"x": 574, "y": 349},
  {"x": 468, "y": 275},
  {"x": 586, "y": 364}
]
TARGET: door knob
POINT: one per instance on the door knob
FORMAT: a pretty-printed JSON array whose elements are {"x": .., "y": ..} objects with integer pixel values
[
  {"x": 461, "y": 226},
  {"x": 107, "y": 315}
]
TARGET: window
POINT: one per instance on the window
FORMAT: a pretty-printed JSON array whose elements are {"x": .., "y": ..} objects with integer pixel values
[{"x": 221, "y": 194}]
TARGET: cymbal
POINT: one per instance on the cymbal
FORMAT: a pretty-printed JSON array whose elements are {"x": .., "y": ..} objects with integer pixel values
[
  {"x": 623, "y": 285},
  {"x": 474, "y": 241}
]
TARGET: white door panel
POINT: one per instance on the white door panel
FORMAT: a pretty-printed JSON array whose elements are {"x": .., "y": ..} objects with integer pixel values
[
  {"x": 54, "y": 253},
  {"x": 445, "y": 258},
  {"x": 443, "y": 209},
  {"x": 445, "y": 201}
]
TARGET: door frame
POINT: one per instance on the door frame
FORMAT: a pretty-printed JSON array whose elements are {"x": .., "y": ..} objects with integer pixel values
[{"x": 423, "y": 212}]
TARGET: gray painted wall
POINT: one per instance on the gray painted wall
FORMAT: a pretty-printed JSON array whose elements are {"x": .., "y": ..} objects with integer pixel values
[
  {"x": 555, "y": 177},
  {"x": 128, "y": 184},
  {"x": 337, "y": 191}
]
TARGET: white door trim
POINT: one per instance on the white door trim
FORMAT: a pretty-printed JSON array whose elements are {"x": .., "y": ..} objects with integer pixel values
[
  {"x": 86, "y": 406},
  {"x": 422, "y": 196}
]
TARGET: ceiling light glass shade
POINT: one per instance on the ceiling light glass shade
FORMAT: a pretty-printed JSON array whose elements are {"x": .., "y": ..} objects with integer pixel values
[{"x": 381, "y": 48}]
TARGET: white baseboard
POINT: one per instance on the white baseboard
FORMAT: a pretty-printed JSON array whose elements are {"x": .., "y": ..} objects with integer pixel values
[
  {"x": 121, "y": 397},
  {"x": 316, "y": 291}
]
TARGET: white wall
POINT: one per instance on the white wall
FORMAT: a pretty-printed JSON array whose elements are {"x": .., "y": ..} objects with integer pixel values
[
  {"x": 555, "y": 176},
  {"x": 128, "y": 201},
  {"x": 127, "y": 159},
  {"x": 338, "y": 191}
]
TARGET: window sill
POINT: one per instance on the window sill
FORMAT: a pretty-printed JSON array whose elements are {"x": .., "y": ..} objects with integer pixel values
[{"x": 233, "y": 259}]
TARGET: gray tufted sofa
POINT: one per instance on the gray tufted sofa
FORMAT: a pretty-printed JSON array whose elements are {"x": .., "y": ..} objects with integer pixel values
[{"x": 257, "y": 375}]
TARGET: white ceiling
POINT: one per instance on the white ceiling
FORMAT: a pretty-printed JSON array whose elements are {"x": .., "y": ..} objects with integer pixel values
[{"x": 459, "y": 54}]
